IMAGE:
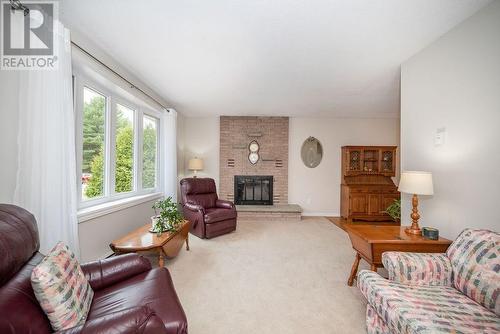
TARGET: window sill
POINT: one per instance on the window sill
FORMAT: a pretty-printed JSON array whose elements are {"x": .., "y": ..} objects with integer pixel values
[{"x": 110, "y": 207}]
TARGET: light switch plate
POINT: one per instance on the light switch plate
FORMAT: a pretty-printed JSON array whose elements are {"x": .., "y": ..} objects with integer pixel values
[{"x": 440, "y": 137}]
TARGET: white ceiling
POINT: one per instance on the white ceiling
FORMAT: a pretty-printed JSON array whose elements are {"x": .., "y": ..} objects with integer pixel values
[{"x": 282, "y": 57}]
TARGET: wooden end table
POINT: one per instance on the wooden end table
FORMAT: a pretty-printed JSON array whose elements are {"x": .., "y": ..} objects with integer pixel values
[
  {"x": 168, "y": 244},
  {"x": 370, "y": 241}
]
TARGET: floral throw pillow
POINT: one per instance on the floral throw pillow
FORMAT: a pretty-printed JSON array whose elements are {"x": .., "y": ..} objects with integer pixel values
[{"x": 61, "y": 288}]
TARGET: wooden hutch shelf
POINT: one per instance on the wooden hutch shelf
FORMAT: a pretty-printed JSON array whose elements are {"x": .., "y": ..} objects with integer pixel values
[{"x": 367, "y": 188}]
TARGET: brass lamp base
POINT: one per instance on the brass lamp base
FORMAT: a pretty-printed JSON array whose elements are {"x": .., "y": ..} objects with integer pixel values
[{"x": 414, "y": 229}]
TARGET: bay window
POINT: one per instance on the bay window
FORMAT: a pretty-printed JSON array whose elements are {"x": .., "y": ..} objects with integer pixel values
[{"x": 117, "y": 145}]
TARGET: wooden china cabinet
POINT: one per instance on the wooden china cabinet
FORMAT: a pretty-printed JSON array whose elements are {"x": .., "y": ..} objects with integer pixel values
[{"x": 367, "y": 188}]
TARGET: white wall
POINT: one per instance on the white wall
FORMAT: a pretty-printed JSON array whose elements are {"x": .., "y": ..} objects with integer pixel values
[
  {"x": 201, "y": 139},
  {"x": 455, "y": 83},
  {"x": 96, "y": 234},
  {"x": 316, "y": 190}
]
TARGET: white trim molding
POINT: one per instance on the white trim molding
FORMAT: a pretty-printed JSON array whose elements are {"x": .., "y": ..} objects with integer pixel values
[{"x": 95, "y": 211}]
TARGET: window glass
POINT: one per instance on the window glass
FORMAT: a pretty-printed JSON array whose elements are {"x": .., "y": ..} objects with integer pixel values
[
  {"x": 94, "y": 125},
  {"x": 124, "y": 149},
  {"x": 120, "y": 148},
  {"x": 149, "y": 152}
]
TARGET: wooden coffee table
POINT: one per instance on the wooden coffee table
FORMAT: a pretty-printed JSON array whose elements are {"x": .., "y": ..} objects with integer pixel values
[
  {"x": 370, "y": 241},
  {"x": 168, "y": 244}
]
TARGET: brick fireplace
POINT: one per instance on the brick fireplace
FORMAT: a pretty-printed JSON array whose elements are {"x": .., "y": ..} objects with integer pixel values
[{"x": 271, "y": 134}]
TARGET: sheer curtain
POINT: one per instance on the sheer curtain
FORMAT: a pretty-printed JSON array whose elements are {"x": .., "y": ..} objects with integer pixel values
[
  {"x": 170, "y": 153},
  {"x": 46, "y": 177}
]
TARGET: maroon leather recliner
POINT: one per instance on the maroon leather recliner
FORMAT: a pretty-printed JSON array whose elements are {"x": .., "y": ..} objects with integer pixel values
[
  {"x": 209, "y": 216},
  {"x": 129, "y": 296}
]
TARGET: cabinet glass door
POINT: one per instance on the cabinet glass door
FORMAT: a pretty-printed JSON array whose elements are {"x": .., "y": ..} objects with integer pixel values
[
  {"x": 387, "y": 162},
  {"x": 354, "y": 160}
]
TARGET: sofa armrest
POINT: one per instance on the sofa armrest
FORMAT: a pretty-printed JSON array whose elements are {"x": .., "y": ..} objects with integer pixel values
[
  {"x": 134, "y": 320},
  {"x": 103, "y": 273},
  {"x": 220, "y": 203},
  {"x": 418, "y": 268},
  {"x": 194, "y": 207}
]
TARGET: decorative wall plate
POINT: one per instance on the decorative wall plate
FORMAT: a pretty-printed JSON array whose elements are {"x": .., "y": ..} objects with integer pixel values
[
  {"x": 253, "y": 157},
  {"x": 253, "y": 146}
]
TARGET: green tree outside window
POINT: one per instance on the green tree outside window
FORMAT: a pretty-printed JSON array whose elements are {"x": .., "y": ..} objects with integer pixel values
[{"x": 93, "y": 151}]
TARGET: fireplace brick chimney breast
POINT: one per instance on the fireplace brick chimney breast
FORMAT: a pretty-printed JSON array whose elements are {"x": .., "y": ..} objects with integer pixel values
[{"x": 236, "y": 133}]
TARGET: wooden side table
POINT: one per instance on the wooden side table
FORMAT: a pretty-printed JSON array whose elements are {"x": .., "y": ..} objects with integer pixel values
[
  {"x": 168, "y": 244},
  {"x": 370, "y": 241}
]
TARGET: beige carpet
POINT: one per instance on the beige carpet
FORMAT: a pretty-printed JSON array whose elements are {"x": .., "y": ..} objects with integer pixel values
[{"x": 270, "y": 277}]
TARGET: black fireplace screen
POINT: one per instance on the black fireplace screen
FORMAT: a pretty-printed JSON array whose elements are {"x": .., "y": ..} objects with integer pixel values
[{"x": 253, "y": 190}]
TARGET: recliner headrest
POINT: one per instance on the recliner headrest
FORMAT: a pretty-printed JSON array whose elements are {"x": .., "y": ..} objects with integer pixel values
[{"x": 193, "y": 186}]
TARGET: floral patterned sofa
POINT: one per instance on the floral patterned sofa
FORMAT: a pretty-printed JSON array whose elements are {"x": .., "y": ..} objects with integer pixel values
[{"x": 454, "y": 292}]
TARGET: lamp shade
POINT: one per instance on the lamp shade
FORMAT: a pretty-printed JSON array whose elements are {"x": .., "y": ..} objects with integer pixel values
[
  {"x": 418, "y": 183},
  {"x": 195, "y": 164}
]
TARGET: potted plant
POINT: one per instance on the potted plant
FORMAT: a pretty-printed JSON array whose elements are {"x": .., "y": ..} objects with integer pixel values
[
  {"x": 167, "y": 217},
  {"x": 394, "y": 210}
]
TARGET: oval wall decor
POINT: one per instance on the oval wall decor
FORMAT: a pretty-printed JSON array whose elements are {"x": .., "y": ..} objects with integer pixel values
[
  {"x": 253, "y": 156},
  {"x": 254, "y": 146},
  {"x": 311, "y": 152}
]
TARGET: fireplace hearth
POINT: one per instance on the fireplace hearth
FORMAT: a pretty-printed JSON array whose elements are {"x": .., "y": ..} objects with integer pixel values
[{"x": 253, "y": 189}]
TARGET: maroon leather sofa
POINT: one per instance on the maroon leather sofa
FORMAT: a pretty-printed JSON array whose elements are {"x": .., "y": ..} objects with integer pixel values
[
  {"x": 209, "y": 215},
  {"x": 129, "y": 296}
]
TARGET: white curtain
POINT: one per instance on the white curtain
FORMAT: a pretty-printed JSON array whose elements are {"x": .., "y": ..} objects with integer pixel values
[
  {"x": 170, "y": 153},
  {"x": 46, "y": 177}
]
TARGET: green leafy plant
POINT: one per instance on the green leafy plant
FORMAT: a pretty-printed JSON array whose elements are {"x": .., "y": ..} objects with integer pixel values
[
  {"x": 394, "y": 210},
  {"x": 167, "y": 216}
]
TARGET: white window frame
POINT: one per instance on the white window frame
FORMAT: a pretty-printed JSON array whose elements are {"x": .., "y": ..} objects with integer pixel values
[{"x": 112, "y": 99}]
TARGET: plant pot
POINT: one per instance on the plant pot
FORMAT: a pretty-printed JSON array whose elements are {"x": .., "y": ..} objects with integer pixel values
[{"x": 154, "y": 220}]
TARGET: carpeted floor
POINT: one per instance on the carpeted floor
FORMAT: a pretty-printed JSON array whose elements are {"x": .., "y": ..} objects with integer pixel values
[{"x": 270, "y": 278}]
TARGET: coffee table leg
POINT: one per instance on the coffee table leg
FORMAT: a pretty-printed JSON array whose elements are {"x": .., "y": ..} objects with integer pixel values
[
  {"x": 161, "y": 260},
  {"x": 187, "y": 242},
  {"x": 354, "y": 270}
]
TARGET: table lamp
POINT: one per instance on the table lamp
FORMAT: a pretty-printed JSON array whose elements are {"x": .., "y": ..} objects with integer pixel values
[
  {"x": 416, "y": 183},
  {"x": 195, "y": 165}
]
